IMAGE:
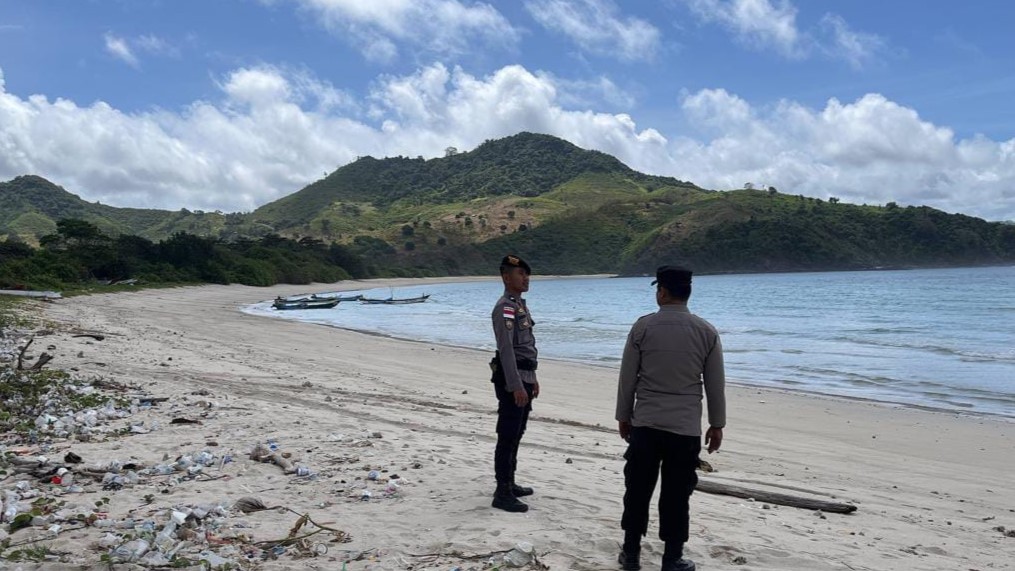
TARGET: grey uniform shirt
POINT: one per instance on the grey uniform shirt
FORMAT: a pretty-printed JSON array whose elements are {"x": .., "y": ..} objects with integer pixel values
[
  {"x": 669, "y": 357},
  {"x": 512, "y": 327}
]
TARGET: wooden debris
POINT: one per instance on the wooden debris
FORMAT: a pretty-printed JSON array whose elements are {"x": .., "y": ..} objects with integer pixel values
[
  {"x": 95, "y": 336},
  {"x": 710, "y": 487}
]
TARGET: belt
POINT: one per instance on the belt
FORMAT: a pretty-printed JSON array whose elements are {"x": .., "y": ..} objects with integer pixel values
[{"x": 522, "y": 364}]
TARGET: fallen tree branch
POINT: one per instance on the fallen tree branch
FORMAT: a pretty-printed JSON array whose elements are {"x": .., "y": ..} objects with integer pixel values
[
  {"x": 21, "y": 354},
  {"x": 710, "y": 487},
  {"x": 92, "y": 335}
]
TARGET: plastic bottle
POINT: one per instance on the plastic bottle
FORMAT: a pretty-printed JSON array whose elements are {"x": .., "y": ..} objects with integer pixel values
[
  {"x": 166, "y": 538},
  {"x": 10, "y": 506}
]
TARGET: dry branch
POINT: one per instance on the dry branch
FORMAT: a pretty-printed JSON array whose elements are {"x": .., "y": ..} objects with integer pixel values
[{"x": 21, "y": 354}]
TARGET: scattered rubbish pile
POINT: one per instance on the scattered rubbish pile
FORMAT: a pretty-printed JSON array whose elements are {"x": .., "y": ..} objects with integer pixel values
[
  {"x": 71, "y": 493},
  {"x": 47, "y": 490}
]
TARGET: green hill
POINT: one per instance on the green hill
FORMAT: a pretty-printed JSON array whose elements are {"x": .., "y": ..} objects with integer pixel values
[
  {"x": 30, "y": 207},
  {"x": 566, "y": 209}
]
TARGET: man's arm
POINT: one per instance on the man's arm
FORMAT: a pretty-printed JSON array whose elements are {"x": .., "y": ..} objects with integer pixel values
[
  {"x": 629, "y": 367},
  {"x": 714, "y": 379}
]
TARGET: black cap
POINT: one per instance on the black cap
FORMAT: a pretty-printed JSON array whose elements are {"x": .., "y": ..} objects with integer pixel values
[
  {"x": 512, "y": 261},
  {"x": 672, "y": 276}
]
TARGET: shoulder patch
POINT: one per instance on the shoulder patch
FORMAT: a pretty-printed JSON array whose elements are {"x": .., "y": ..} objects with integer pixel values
[{"x": 509, "y": 312}]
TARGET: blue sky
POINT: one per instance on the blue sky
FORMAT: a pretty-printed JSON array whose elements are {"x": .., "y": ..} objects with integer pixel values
[{"x": 228, "y": 104}]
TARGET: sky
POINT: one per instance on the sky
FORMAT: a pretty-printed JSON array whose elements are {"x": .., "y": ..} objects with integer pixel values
[{"x": 230, "y": 104}]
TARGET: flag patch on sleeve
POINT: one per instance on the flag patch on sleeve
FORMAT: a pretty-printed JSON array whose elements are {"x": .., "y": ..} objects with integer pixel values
[{"x": 509, "y": 312}]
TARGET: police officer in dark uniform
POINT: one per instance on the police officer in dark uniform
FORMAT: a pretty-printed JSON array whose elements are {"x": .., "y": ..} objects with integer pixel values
[{"x": 514, "y": 379}]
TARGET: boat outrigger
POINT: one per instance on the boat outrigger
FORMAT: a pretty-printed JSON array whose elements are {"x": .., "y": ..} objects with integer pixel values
[{"x": 394, "y": 301}]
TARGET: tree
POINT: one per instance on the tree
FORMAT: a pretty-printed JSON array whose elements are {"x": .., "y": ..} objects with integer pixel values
[
  {"x": 450, "y": 152},
  {"x": 833, "y": 200}
]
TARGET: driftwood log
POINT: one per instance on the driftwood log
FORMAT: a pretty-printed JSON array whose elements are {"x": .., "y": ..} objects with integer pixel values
[{"x": 710, "y": 487}]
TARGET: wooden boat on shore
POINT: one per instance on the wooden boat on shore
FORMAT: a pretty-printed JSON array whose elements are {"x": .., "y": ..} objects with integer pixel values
[
  {"x": 305, "y": 303},
  {"x": 319, "y": 297},
  {"x": 396, "y": 301},
  {"x": 356, "y": 297}
]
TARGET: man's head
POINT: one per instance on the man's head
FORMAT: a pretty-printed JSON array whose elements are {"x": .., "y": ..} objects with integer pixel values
[
  {"x": 515, "y": 272},
  {"x": 673, "y": 284}
]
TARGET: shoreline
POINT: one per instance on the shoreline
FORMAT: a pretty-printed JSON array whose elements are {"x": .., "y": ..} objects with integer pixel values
[
  {"x": 931, "y": 487},
  {"x": 615, "y": 365}
]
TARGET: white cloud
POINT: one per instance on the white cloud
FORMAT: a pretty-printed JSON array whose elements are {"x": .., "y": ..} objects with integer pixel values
[
  {"x": 444, "y": 27},
  {"x": 856, "y": 48},
  {"x": 275, "y": 130},
  {"x": 118, "y": 48},
  {"x": 762, "y": 24},
  {"x": 156, "y": 45},
  {"x": 871, "y": 150},
  {"x": 590, "y": 92},
  {"x": 755, "y": 22},
  {"x": 596, "y": 27},
  {"x": 126, "y": 49}
]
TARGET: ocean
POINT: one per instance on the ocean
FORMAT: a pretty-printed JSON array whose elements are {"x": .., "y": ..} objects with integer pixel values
[{"x": 939, "y": 338}]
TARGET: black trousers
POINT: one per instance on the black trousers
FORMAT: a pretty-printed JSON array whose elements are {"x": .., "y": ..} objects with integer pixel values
[
  {"x": 648, "y": 449},
  {"x": 511, "y": 422}
]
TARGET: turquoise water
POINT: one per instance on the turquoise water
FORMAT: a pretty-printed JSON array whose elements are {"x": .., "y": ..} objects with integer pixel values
[{"x": 937, "y": 338}]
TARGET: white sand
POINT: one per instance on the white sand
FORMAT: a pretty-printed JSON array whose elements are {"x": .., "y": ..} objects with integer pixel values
[{"x": 930, "y": 486}]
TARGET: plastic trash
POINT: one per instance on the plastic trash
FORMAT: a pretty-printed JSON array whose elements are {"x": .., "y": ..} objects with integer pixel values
[
  {"x": 374, "y": 474},
  {"x": 214, "y": 561},
  {"x": 130, "y": 551},
  {"x": 163, "y": 469},
  {"x": 166, "y": 538},
  {"x": 521, "y": 555}
]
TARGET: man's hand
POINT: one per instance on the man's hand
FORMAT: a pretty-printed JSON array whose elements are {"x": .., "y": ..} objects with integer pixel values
[
  {"x": 535, "y": 390},
  {"x": 713, "y": 439},
  {"x": 624, "y": 427},
  {"x": 521, "y": 397}
]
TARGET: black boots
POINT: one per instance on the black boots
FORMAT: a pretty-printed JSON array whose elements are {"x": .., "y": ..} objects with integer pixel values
[
  {"x": 504, "y": 499},
  {"x": 520, "y": 491},
  {"x": 673, "y": 558},
  {"x": 678, "y": 564},
  {"x": 629, "y": 560}
]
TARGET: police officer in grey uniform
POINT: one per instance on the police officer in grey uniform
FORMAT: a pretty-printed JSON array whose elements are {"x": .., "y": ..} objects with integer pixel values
[
  {"x": 514, "y": 379},
  {"x": 672, "y": 358}
]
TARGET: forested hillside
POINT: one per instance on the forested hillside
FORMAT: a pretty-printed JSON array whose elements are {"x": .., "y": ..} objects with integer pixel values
[{"x": 567, "y": 209}]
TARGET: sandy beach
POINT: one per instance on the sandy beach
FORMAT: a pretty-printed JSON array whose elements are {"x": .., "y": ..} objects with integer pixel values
[{"x": 932, "y": 488}]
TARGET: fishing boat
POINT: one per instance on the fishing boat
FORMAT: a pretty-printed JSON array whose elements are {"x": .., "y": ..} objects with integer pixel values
[
  {"x": 306, "y": 303},
  {"x": 395, "y": 301},
  {"x": 319, "y": 297},
  {"x": 356, "y": 297}
]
